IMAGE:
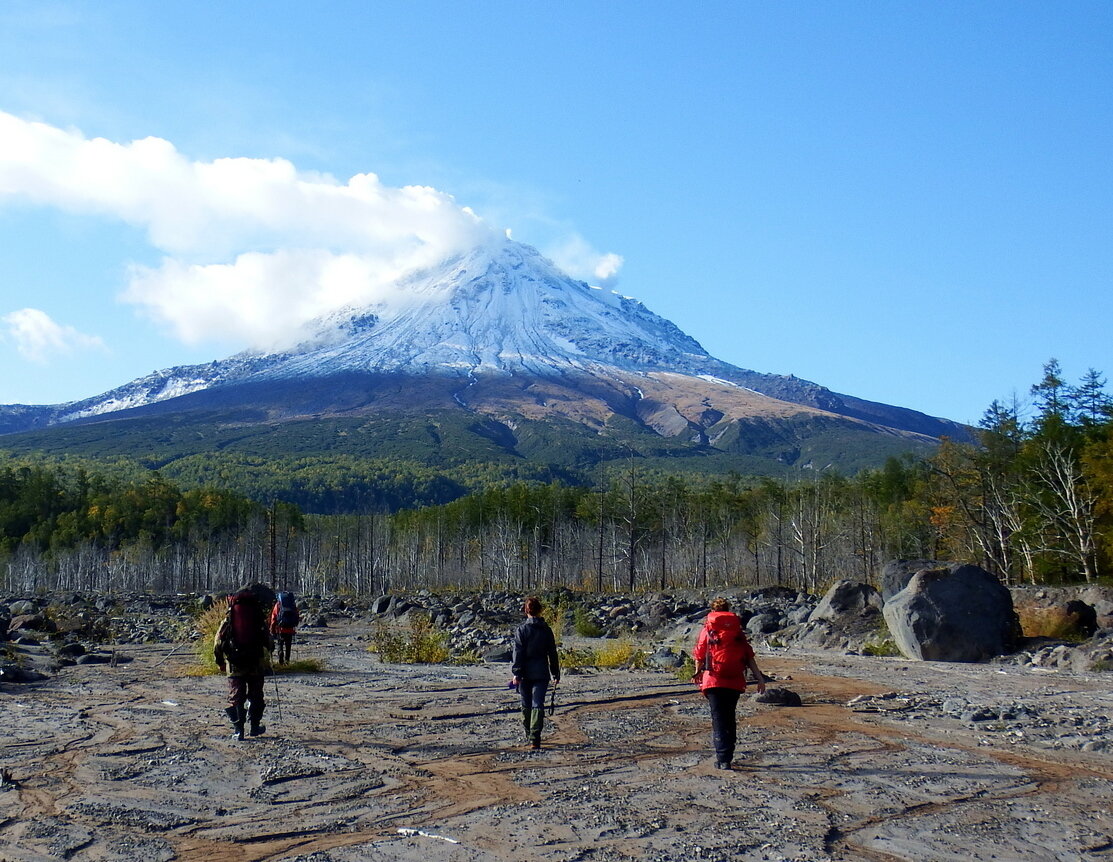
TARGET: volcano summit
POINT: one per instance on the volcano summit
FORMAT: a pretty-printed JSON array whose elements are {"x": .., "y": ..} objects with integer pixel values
[{"x": 500, "y": 344}]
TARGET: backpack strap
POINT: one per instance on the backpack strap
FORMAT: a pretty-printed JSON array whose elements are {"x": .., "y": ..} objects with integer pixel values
[{"x": 709, "y": 641}]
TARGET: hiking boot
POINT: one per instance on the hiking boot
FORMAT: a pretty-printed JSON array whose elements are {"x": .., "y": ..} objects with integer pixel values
[
  {"x": 237, "y": 719},
  {"x": 535, "y": 743},
  {"x": 257, "y": 726},
  {"x": 723, "y": 764}
]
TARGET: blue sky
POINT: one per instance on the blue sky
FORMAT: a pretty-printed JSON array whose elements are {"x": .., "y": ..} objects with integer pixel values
[{"x": 907, "y": 202}]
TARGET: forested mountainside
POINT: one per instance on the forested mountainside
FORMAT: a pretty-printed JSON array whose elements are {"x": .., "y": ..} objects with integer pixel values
[{"x": 1033, "y": 502}]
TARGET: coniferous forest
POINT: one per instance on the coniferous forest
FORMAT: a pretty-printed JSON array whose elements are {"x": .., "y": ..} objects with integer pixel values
[{"x": 1032, "y": 502}]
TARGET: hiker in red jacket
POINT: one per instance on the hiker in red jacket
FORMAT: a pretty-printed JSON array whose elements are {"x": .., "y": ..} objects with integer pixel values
[
  {"x": 284, "y": 622},
  {"x": 722, "y": 656}
]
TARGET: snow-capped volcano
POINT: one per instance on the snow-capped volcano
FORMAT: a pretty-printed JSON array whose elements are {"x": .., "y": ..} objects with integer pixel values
[
  {"x": 502, "y": 332},
  {"x": 501, "y": 308}
]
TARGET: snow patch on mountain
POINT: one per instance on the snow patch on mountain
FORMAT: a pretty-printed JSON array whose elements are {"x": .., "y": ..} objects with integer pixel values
[{"x": 501, "y": 308}]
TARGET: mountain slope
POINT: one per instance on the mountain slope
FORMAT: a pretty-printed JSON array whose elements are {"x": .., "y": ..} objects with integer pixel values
[{"x": 502, "y": 335}]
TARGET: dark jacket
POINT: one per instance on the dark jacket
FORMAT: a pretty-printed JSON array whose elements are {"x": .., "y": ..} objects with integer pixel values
[{"x": 535, "y": 652}]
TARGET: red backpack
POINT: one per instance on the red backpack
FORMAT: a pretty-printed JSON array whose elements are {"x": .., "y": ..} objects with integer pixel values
[
  {"x": 728, "y": 648},
  {"x": 244, "y": 638}
]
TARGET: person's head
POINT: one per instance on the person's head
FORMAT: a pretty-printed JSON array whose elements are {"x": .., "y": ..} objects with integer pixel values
[
  {"x": 720, "y": 604},
  {"x": 532, "y": 607}
]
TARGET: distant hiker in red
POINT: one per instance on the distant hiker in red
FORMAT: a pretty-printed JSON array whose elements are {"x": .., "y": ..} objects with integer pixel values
[
  {"x": 722, "y": 656},
  {"x": 534, "y": 662},
  {"x": 240, "y": 649},
  {"x": 284, "y": 622}
]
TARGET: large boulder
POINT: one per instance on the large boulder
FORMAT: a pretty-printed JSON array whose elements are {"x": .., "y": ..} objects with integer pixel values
[
  {"x": 32, "y": 622},
  {"x": 847, "y": 600},
  {"x": 896, "y": 574},
  {"x": 957, "y": 613}
]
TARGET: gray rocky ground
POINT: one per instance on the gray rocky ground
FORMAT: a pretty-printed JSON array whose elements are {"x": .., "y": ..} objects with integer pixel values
[{"x": 887, "y": 759}]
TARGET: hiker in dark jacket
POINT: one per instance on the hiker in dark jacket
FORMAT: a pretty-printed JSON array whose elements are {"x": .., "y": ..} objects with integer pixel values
[
  {"x": 533, "y": 664},
  {"x": 722, "y": 656},
  {"x": 241, "y": 649}
]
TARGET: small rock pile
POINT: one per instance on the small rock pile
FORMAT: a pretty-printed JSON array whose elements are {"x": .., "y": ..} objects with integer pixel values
[{"x": 1061, "y": 725}]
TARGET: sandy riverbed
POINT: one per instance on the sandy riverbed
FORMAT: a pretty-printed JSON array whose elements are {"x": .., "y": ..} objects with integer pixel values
[{"x": 370, "y": 762}]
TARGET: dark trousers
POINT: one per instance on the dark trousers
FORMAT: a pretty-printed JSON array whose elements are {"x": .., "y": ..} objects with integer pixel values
[
  {"x": 533, "y": 705},
  {"x": 724, "y": 722},
  {"x": 283, "y": 642},
  {"x": 244, "y": 689}
]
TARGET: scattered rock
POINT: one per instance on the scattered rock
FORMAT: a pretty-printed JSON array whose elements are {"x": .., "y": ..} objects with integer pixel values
[
  {"x": 497, "y": 654},
  {"x": 1083, "y": 616},
  {"x": 779, "y": 697},
  {"x": 666, "y": 658},
  {"x": 847, "y": 599}
]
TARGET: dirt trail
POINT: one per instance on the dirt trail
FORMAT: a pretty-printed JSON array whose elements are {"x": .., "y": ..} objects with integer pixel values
[{"x": 368, "y": 762}]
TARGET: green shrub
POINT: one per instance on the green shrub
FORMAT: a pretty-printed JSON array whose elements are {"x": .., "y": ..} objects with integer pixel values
[
  {"x": 207, "y": 624},
  {"x": 584, "y": 625},
  {"x": 468, "y": 657},
  {"x": 419, "y": 643},
  {"x": 881, "y": 647},
  {"x": 300, "y": 665},
  {"x": 573, "y": 659},
  {"x": 620, "y": 654},
  {"x": 555, "y": 615}
]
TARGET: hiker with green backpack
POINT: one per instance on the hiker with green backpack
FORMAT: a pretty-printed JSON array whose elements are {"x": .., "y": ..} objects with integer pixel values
[
  {"x": 241, "y": 649},
  {"x": 723, "y": 655}
]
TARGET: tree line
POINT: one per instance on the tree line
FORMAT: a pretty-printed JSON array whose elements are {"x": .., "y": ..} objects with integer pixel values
[{"x": 1032, "y": 502}]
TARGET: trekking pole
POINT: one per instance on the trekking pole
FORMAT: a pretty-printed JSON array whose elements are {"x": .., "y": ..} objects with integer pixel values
[
  {"x": 165, "y": 657},
  {"x": 552, "y": 700},
  {"x": 277, "y": 698}
]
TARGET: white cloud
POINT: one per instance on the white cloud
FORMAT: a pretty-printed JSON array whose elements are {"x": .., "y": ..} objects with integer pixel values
[
  {"x": 577, "y": 257},
  {"x": 263, "y": 298},
  {"x": 39, "y": 338},
  {"x": 254, "y": 247}
]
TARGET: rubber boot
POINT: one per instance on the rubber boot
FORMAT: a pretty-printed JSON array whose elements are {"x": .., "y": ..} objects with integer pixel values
[
  {"x": 257, "y": 729},
  {"x": 234, "y": 716},
  {"x": 536, "y": 725}
]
